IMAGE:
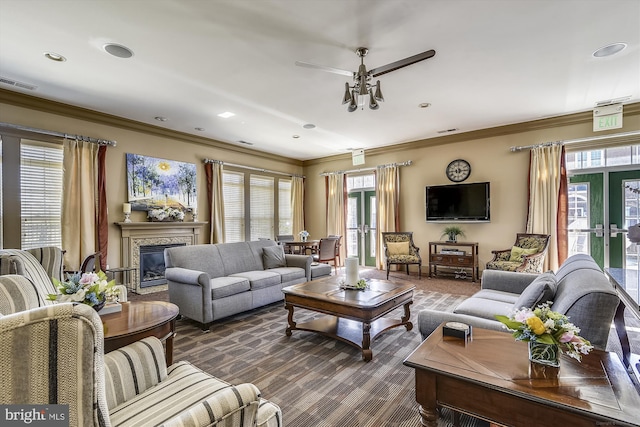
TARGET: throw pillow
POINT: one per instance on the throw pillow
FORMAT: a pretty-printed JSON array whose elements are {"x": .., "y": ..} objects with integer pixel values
[
  {"x": 542, "y": 289},
  {"x": 273, "y": 257},
  {"x": 517, "y": 253},
  {"x": 398, "y": 248}
]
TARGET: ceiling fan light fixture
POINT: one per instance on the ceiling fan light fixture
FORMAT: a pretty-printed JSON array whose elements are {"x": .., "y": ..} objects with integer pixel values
[
  {"x": 378, "y": 94},
  {"x": 347, "y": 94},
  {"x": 353, "y": 105},
  {"x": 372, "y": 101}
]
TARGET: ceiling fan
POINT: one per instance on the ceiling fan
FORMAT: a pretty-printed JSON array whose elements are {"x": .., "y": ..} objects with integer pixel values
[{"x": 362, "y": 85}]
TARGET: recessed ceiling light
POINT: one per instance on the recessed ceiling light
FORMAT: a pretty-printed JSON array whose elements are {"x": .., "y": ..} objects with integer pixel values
[
  {"x": 424, "y": 105},
  {"x": 309, "y": 126},
  {"x": 226, "y": 115},
  {"x": 118, "y": 50},
  {"x": 199, "y": 129},
  {"x": 161, "y": 119},
  {"x": 296, "y": 136},
  {"x": 610, "y": 49},
  {"x": 55, "y": 56}
]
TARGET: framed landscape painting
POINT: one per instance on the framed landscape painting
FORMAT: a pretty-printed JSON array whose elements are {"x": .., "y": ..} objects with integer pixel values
[{"x": 157, "y": 183}]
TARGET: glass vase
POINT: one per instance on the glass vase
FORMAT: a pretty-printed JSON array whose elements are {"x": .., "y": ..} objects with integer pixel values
[{"x": 544, "y": 354}]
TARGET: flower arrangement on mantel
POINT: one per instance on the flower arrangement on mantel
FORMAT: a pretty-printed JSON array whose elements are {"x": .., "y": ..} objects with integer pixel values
[
  {"x": 92, "y": 289},
  {"x": 165, "y": 214},
  {"x": 541, "y": 325}
]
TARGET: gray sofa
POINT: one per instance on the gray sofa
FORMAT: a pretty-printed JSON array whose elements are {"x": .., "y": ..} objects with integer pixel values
[
  {"x": 209, "y": 282},
  {"x": 579, "y": 290}
]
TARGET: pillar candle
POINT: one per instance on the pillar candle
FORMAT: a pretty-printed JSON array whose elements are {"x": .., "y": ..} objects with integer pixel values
[
  {"x": 351, "y": 264},
  {"x": 126, "y": 207}
]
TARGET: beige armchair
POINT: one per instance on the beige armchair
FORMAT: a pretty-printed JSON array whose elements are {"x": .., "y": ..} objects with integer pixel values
[
  {"x": 62, "y": 362},
  {"x": 526, "y": 256},
  {"x": 399, "y": 249}
]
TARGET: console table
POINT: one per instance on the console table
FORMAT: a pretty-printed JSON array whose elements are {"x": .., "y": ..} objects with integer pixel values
[{"x": 467, "y": 261}]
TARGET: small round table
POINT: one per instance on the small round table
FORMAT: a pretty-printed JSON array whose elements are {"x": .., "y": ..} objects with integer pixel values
[{"x": 141, "y": 319}]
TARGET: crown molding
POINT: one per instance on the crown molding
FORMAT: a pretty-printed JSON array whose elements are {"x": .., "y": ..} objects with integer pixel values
[
  {"x": 47, "y": 106},
  {"x": 546, "y": 123},
  {"x": 54, "y": 107}
]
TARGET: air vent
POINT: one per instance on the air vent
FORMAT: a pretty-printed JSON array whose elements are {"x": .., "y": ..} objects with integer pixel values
[
  {"x": 448, "y": 130},
  {"x": 21, "y": 85}
]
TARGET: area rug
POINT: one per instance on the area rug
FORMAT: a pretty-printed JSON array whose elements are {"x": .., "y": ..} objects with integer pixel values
[{"x": 317, "y": 381}]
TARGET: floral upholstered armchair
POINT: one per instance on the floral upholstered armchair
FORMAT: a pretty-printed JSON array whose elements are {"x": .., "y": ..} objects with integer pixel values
[
  {"x": 399, "y": 249},
  {"x": 526, "y": 256}
]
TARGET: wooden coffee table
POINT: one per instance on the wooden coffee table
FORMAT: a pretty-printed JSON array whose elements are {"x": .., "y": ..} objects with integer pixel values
[
  {"x": 490, "y": 377},
  {"x": 141, "y": 319},
  {"x": 353, "y": 316}
]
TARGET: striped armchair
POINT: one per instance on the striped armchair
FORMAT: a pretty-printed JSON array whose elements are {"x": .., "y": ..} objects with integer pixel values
[{"x": 54, "y": 354}]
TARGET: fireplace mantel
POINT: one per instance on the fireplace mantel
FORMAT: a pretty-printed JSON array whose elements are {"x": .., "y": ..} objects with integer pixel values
[{"x": 136, "y": 234}]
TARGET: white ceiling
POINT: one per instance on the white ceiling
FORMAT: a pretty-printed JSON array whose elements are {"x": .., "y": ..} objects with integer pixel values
[{"x": 497, "y": 62}]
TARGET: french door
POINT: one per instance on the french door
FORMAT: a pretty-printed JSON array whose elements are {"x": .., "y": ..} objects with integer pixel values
[
  {"x": 602, "y": 206},
  {"x": 361, "y": 226}
]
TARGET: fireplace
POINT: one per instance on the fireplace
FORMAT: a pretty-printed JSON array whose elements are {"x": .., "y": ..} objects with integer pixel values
[
  {"x": 152, "y": 264},
  {"x": 143, "y": 245}
]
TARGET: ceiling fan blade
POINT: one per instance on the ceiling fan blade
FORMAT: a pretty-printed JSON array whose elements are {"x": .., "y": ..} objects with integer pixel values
[
  {"x": 375, "y": 72},
  {"x": 323, "y": 68}
]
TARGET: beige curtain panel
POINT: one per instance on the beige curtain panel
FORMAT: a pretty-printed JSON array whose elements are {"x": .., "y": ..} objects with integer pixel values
[
  {"x": 387, "y": 196},
  {"x": 336, "y": 209},
  {"x": 79, "y": 201},
  {"x": 297, "y": 204},
  {"x": 544, "y": 192},
  {"x": 214, "y": 172}
]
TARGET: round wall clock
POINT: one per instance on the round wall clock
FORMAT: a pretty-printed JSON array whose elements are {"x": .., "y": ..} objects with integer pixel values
[{"x": 458, "y": 170}]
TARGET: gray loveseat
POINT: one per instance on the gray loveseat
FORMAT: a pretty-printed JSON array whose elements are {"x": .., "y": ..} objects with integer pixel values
[
  {"x": 579, "y": 289},
  {"x": 209, "y": 282}
]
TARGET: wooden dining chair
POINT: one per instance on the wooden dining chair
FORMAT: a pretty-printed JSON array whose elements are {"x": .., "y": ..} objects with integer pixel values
[
  {"x": 327, "y": 251},
  {"x": 338, "y": 245}
]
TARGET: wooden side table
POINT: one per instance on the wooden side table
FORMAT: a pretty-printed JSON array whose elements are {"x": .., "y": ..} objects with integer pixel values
[
  {"x": 468, "y": 260},
  {"x": 141, "y": 319}
]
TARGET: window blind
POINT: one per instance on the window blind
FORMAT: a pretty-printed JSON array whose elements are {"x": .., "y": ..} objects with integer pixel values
[
  {"x": 262, "y": 206},
  {"x": 284, "y": 207},
  {"x": 41, "y": 195},
  {"x": 233, "y": 193}
]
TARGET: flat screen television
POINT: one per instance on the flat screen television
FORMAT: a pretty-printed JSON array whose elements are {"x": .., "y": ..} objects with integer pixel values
[{"x": 458, "y": 202}]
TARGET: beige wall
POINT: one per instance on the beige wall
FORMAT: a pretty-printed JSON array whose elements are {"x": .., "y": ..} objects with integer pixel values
[
  {"x": 139, "y": 142},
  {"x": 486, "y": 150},
  {"x": 491, "y": 160}
]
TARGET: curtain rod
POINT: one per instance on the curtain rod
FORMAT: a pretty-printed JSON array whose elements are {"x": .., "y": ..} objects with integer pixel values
[
  {"x": 57, "y": 134},
  {"x": 252, "y": 168},
  {"x": 407, "y": 163},
  {"x": 573, "y": 141}
]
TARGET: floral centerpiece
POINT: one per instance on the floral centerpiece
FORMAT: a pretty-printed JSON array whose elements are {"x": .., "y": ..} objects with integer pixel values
[
  {"x": 165, "y": 214},
  {"x": 547, "y": 332},
  {"x": 304, "y": 235},
  {"x": 92, "y": 289}
]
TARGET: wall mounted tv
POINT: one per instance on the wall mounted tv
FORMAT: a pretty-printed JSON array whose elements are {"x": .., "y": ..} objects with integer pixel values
[{"x": 458, "y": 202}]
